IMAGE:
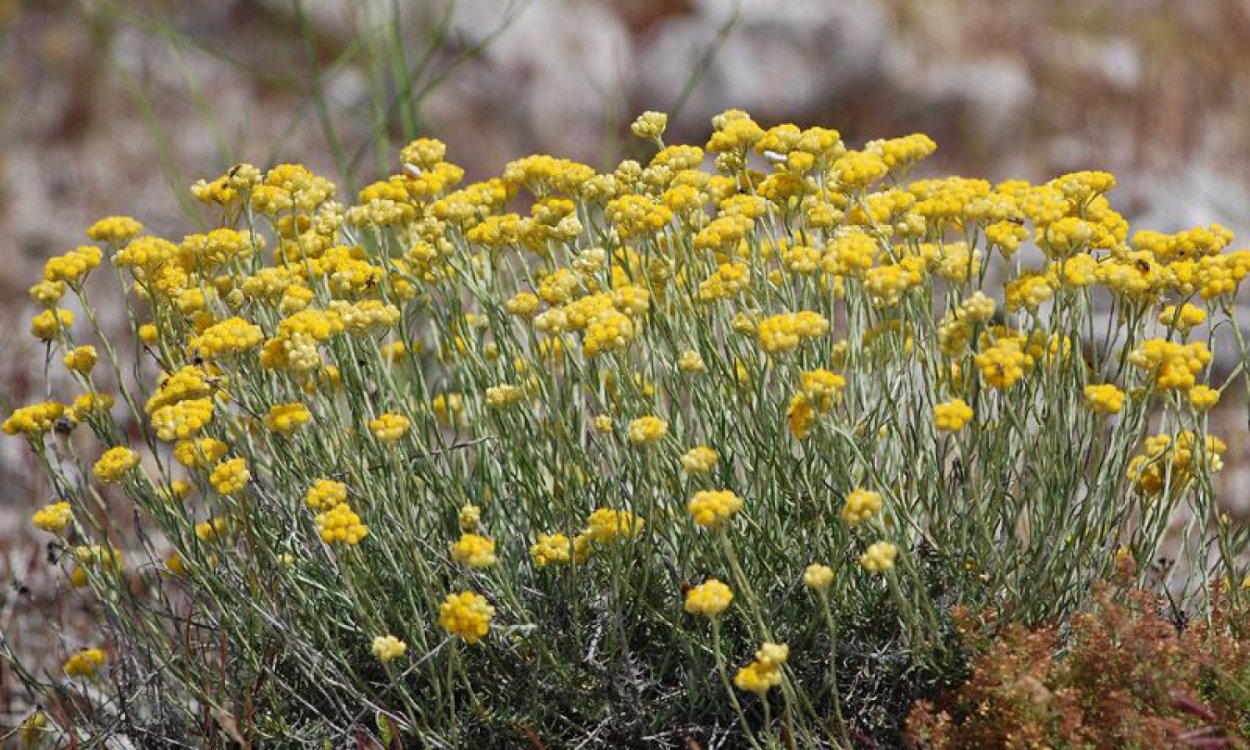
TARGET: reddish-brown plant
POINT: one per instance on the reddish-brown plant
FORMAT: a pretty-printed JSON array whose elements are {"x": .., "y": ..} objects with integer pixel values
[{"x": 1122, "y": 674}]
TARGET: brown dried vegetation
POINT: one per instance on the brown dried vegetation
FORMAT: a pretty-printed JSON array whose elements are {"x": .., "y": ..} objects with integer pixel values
[{"x": 1124, "y": 674}]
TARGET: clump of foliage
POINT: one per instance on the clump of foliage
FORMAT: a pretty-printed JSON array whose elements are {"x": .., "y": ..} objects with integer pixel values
[
  {"x": 1126, "y": 673},
  {"x": 696, "y": 448}
]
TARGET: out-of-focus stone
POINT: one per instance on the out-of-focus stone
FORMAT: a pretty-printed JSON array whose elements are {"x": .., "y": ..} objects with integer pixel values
[{"x": 778, "y": 60}]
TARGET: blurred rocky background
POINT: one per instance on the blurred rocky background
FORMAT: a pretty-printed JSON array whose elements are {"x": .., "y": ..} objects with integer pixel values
[{"x": 116, "y": 107}]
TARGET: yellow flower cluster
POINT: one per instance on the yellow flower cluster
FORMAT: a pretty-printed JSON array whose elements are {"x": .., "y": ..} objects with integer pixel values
[
  {"x": 606, "y": 525},
  {"x": 647, "y": 430},
  {"x": 114, "y": 230},
  {"x": 389, "y": 428},
  {"x": 201, "y": 453},
  {"x": 818, "y": 577},
  {"x": 951, "y": 416},
  {"x": 35, "y": 420},
  {"x": 81, "y": 359},
  {"x": 115, "y": 464},
  {"x": 230, "y": 477},
  {"x": 474, "y": 550},
  {"x": 1174, "y": 366},
  {"x": 72, "y": 268},
  {"x": 85, "y": 663},
  {"x": 287, "y": 418},
  {"x": 54, "y": 517},
  {"x": 1174, "y": 460},
  {"x": 388, "y": 648},
  {"x": 1183, "y": 317},
  {"x": 1002, "y": 364},
  {"x": 467, "y": 615},
  {"x": 558, "y": 549},
  {"x": 784, "y": 333},
  {"x": 340, "y": 525},
  {"x": 710, "y": 599},
  {"x": 764, "y": 673},
  {"x": 860, "y": 506},
  {"x": 182, "y": 420},
  {"x": 879, "y": 557},
  {"x": 230, "y": 337},
  {"x": 325, "y": 494},
  {"x": 699, "y": 460},
  {"x": 1104, "y": 398},
  {"x": 49, "y": 324},
  {"x": 714, "y": 508}
]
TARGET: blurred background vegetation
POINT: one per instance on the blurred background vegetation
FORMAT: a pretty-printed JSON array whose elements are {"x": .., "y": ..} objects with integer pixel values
[{"x": 110, "y": 106}]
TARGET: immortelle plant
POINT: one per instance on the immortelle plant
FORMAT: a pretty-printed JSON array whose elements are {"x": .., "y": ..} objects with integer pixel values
[{"x": 699, "y": 450}]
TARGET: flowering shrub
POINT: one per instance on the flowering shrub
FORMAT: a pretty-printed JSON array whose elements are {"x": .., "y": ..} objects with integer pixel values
[{"x": 645, "y": 456}]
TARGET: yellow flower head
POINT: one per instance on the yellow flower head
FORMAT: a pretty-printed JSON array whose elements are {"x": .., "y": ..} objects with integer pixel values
[
  {"x": 757, "y": 678},
  {"x": 287, "y": 418},
  {"x": 714, "y": 508},
  {"x": 818, "y": 577},
  {"x": 951, "y": 416},
  {"x": 709, "y": 599},
  {"x": 49, "y": 324},
  {"x": 647, "y": 430},
  {"x": 879, "y": 557},
  {"x": 341, "y": 525},
  {"x": 388, "y": 648},
  {"x": 474, "y": 550},
  {"x": 467, "y": 615},
  {"x": 35, "y": 420},
  {"x": 1104, "y": 398},
  {"x": 230, "y": 477},
  {"x": 85, "y": 663},
  {"x": 81, "y": 359},
  {"x": 53, "y": 518},
  {"x": 699, "y": 460},
  {"x": 325, "y": 494},
  {"x": 115, "y": 464},
  {"x": 389, "y": 428},
  {"x": 861, "y": 505},
  {"x": 470, "y": 517},
  {"x": 558, "y": 549},
  {"x": 606, "y": 525}
]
